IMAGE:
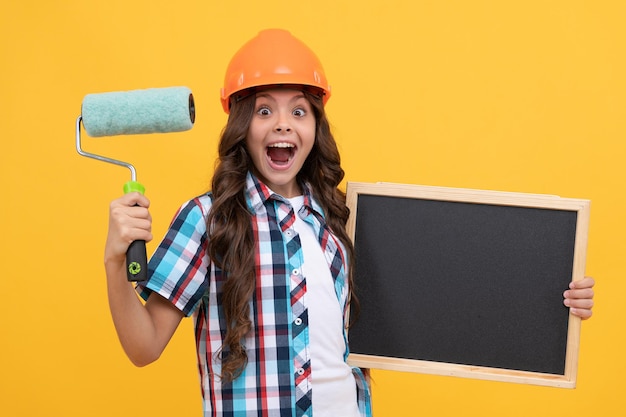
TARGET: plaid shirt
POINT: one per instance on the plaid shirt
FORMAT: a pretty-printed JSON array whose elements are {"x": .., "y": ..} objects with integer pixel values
[{"x": 277, "y": 377}]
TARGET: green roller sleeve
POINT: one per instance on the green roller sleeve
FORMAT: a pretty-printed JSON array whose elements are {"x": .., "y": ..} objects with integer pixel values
[
  {"x": 153, "y": 110},
  {"x": 136, "y": 257}
]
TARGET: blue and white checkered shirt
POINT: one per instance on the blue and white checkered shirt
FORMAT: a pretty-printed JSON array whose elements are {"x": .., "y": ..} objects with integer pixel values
[{"x": 277, "y": 378}]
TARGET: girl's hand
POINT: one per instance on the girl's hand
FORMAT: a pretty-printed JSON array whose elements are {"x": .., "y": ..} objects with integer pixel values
[
  {"x": 579, "y": 297},
  {"x": 129, "y": 220}
]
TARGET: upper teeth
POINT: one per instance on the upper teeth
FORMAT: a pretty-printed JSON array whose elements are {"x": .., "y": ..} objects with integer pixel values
[{"x": 281, "y": 145}]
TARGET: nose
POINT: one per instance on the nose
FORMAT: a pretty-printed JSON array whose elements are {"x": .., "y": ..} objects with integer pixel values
[{"x": 282, "y": 123}]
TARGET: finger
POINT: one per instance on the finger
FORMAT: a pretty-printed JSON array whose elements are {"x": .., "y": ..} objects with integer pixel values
[
  {"x": 134, "y": 199},
  {"x": 582, "y": 304},
  {"x": 131, "y": 235},
  {"x": 128, "y": 206},
  {"x": 579, "y": 294},
  {"x": 587, "y": 282},
  {"x": 129, "y": 217},
  {"x": 584, "y": 314},
  {"x": 138, "y": 212}
]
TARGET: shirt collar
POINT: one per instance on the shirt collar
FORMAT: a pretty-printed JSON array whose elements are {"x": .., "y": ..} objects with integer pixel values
[{"x": 257, "y": 194}]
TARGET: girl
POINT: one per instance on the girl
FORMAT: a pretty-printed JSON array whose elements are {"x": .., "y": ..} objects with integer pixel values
[{"x": 261, "y": 262}]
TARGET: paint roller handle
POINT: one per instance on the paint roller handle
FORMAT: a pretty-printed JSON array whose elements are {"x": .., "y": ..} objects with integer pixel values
[
  {"x": 136, "y": 258},
  {"x": 137, "y": 261}
]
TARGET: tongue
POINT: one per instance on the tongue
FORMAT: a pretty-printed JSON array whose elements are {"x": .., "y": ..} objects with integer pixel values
[{"x": 279, "y": 154}]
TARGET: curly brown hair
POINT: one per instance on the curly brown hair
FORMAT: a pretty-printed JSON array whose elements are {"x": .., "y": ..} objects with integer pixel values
[{"x": 231, "y": 244}]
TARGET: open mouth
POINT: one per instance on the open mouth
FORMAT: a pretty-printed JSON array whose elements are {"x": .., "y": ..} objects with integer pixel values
[{"x": 281, "y": 153}]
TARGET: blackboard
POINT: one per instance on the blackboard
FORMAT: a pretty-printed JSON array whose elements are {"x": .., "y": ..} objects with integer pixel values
[{"x": 466, "y": 282}]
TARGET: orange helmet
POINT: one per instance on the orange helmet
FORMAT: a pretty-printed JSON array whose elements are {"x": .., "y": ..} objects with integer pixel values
[{"x": 273, "y": 57}]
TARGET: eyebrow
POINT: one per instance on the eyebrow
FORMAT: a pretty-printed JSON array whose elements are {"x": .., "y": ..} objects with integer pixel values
[{"x": 268, "y": 95}]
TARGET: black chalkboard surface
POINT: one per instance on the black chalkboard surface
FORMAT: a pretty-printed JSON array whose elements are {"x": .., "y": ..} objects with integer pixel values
[{"x": 466, "y": 282}]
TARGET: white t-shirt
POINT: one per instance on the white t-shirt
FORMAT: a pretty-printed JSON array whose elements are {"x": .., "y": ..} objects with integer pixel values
[{"x": 333, "y": 384}]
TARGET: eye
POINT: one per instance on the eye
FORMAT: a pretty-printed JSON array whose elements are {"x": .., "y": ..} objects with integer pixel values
[
  {"x": 299, "y": 112},
  {"x": 263, "y": 111}
]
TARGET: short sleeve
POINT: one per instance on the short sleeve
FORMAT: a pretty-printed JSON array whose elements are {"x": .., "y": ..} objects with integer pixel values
[{"x": 179, "y": 267}]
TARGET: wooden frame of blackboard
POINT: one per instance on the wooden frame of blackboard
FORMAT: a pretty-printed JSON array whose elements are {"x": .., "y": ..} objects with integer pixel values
[{"x": 379, "y": 358}]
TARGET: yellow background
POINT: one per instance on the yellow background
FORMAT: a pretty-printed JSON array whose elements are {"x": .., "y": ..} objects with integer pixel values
[{"x": 521, "y": 96}]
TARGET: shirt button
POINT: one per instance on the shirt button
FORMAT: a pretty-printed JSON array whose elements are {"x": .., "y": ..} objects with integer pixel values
[
  {"x": 300, "y": 371},
  {"x": 289, "y": 233},
  {"x": 298, "y": 321},
  {"x": 296, "y": 271}
]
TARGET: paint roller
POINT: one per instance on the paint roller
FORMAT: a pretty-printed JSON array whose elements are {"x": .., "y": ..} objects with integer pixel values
[{"x": 154, "y": 110}]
